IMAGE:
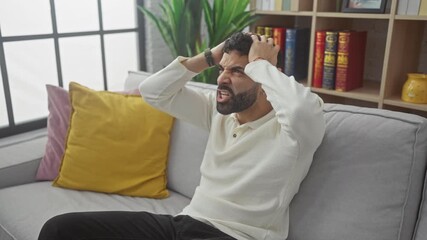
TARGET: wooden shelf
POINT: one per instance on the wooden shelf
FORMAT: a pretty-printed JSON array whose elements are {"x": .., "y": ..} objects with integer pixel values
[
  {"x": 396, "y": 101},
  {"x": 396, "y": 46},
  {"x": 284, "y": 13},
  {"x": 353, "y": 15},
  {"x": 369, "y": 92},
  {"x": 410, "y": 17}
]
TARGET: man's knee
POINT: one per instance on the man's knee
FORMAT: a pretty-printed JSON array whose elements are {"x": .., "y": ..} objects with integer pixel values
[{"x": 59, "y": 227}]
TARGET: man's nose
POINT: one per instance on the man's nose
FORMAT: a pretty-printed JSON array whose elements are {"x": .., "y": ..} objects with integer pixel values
[{"x": 224, "y": 78}]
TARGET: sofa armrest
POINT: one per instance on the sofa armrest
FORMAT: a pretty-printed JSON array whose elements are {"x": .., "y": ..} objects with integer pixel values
[
  {"x": 20, "y": 156},
  {"x": 18, "y": 174}
]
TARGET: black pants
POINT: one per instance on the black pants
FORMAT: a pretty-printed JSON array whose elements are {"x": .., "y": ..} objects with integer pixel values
[{"x": 127, "y": 226}]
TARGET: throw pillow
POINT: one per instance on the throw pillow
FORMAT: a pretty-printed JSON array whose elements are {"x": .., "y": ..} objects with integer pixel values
[
  {"x": 115, "y": 144},
  {"x": 59, "y": 108},
  {"x": 57, "y": 124}
]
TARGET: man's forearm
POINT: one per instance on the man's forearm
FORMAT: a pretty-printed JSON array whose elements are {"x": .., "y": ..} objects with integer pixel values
[
  {"x": 195, "y": 64},
  {"x": 166, "y": 90}
]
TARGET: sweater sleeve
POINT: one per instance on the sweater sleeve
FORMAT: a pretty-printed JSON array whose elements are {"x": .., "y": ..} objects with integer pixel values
[
  {"x": 166, "y": 90},
  {"x": 298, "y": 110}
]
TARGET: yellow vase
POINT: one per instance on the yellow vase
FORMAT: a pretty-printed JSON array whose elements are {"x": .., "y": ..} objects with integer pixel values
[{"x": 415, "y": 88}]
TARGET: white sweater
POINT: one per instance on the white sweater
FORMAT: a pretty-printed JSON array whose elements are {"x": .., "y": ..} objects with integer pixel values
[{"x": 249, "y": 179}]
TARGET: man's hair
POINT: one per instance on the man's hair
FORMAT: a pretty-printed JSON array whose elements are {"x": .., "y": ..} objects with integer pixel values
[{"x": 240, "y": 42}]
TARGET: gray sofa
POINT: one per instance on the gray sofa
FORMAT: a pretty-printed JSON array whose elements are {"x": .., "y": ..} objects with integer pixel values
[{"x": 367, "y": 180}]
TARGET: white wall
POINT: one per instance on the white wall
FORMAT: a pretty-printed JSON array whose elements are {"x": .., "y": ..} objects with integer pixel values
[{"x": 157, "y": 53}]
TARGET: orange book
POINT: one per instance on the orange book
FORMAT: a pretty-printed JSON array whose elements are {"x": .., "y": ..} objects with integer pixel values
[
  {"x": 350, "y": 61},
  {"x": 319, "y": 55}
]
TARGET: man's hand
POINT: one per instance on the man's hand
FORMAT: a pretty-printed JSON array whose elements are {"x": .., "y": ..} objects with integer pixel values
[
  {"x": 217, "y": 53},
  {"x": 198, "y": 63},
  {"x": 263, "y": 48}
]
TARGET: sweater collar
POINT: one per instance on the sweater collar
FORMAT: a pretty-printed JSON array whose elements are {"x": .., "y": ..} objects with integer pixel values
[{"x": 257, "y": 123}]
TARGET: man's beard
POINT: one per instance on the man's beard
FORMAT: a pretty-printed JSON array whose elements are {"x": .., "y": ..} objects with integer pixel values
[{"x": 237, "y": 102}]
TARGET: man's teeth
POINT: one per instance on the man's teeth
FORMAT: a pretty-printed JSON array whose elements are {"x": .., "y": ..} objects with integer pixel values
[{"x": 224, "y": 92}]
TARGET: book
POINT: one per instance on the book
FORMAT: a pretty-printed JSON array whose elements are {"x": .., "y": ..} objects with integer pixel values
[
  {"x": 258, "y": 5},
  {"x": 278, "y": 5},
  {"x": 338, "y": 5},
  {"x": 268, "y": 32},
  {"x": 413, "y": 7},
  {"x": 319, "y": 54},
  {"x": 350, "y": 60},
  {"x": 330, "y": 59},
  {"x": 259, "y": 30},
  {"x": 294, "y": 5},
  {"x": 402, "y": 7},
  {"x": 279, "y": 35},
  {"x": 268, "y": 5},
  {"x": 423, "y": 8},
  {"x": 286, "y": 5},
  {"x": 297, "y": 44}
]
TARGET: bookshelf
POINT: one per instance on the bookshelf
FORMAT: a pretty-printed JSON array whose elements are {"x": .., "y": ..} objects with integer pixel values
[{"x": 396, "y": 45}]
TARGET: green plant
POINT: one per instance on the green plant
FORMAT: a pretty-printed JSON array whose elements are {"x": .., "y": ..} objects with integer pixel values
[{"x": 180, "y": 26}]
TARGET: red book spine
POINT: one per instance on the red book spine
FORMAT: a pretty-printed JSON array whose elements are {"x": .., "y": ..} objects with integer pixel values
[
  {"x": 279, "y": 37},
  {"x": 319, "y": 55},
  {"x": 279, "y": 34},
  {"x": 350, "y": 62}
]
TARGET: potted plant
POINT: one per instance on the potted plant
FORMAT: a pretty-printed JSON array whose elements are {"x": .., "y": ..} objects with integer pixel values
[{"x": 180, "y": 26}]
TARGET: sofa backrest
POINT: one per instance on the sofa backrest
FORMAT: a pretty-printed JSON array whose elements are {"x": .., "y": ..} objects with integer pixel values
[{"x": 366, "y": 179}]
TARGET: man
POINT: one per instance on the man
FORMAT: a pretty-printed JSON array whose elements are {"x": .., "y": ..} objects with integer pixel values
[{"x": 264, "y": 129}]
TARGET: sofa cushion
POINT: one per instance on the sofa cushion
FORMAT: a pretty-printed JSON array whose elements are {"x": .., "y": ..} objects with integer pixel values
[
  {"x": 421, "y": 228},
  {"x": 25, "y": 208},
  {"x": 116, "y": 144},
  {"x": 366, "y": 178}
]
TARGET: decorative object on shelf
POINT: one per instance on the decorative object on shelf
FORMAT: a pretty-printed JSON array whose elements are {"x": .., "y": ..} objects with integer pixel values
[
  {"x": 415, "y": 88},
  {"x": 364, "y": 6}
]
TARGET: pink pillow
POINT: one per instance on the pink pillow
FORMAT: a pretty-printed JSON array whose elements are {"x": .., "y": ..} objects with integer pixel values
[{"x": 59, "y": 107}]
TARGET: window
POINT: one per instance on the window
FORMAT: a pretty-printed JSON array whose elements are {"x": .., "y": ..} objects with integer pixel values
[{"x": 93, "y": 42}]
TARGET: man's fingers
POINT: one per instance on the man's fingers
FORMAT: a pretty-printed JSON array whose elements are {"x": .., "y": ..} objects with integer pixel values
[
  {"x": 263, "y": 38},
  {"x": 254, "y": 38}
]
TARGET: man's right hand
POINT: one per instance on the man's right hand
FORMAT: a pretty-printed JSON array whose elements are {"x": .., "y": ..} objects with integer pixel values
[
  {"x": 217, "y": 52},
  {"x": 198, "y": 63}
]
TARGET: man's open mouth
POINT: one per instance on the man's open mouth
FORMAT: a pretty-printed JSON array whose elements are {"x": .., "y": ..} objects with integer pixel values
[{"x": 223, "y": 95}]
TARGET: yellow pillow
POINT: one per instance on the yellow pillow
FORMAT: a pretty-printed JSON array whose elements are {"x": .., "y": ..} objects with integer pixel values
[{"x": 116, "y": 143}]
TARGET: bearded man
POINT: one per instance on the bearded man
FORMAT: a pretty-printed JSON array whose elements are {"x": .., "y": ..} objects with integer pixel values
[{"x": 264, "y": 128}]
